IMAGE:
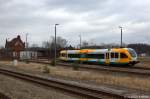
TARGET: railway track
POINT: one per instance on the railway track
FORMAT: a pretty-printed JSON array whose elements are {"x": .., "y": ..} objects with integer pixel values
[
  {"x": 74, "y": 88},
  {"x": 136, "y": 71},
  {"x": 130, "y": 70},
  {"x": 3, "y": 96}
]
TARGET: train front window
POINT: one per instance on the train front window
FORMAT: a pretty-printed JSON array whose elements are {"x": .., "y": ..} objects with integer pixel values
[
  {"x": 123, "y": 55},
  {"x": 132, "y": 52},
  {"x": 63, "y": 55}
]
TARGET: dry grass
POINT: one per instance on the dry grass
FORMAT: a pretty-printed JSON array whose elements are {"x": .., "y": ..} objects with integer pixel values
[
  {"x": 144, "y": 62},
  {"x": 144, "y": 59},
  {"x": 97, "y": 77}
]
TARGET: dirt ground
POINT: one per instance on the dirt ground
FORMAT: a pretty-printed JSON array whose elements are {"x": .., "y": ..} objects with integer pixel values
[
  {"x": 89, "y": 76},
  {"x": 17, "y": 89}
]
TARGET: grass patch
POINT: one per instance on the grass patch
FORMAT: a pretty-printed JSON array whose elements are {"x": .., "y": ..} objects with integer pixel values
[
  {"x": 104, "y": 78},
  {"x": 46, "y": 69},
  {"x": 27, "y": 61},
  {"x": 52, "y": 63},
  {"x": 144, "y": 59}
]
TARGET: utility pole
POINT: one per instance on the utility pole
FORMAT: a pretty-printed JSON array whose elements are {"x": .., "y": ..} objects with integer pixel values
[
  {"x": 121, "y": 36},
  {"x": 55, "y": 46},
  {"x": 80, "y": 41},
  {"x": 26, "y": 45}
]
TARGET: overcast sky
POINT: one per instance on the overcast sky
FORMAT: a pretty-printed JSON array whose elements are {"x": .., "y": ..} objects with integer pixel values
[{"x": 96, "y": 20}]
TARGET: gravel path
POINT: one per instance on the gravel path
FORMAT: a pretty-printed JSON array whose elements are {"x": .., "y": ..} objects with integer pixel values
[{"x": 17, "y": 89}]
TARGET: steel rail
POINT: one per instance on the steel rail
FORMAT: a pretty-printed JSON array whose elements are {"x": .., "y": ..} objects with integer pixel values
[
  {"x": 143, "y": 68},
  {"x": 130, "y": 70},
  {"x": 88, "y": 92},
  {"x": 3, "y": 96},
  {"x": 141, "y": 72}
]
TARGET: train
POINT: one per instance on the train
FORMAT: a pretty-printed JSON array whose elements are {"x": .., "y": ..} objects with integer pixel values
[{"x": 113, "y": 56}]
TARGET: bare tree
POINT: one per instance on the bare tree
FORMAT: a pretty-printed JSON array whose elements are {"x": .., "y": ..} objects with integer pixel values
[
  {"x": 61, "y": 43},
  {"x": 85, "y": 44},
  {"x": 34, "y": 45},
  {"x": 46, "y": 44}
]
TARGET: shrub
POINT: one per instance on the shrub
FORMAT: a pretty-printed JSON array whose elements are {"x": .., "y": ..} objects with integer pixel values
[
  {"x": 27, "y": 61},
  {"x": 52, "y": 62},
  {"x": 46, "y": 69}
]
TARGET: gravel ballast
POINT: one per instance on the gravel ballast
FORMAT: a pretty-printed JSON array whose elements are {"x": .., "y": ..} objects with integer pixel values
[{"x": 18, "y": 89}]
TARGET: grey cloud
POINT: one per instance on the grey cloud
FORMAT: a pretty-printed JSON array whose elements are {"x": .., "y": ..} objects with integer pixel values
[
  {"x": 94, "y": 19},
  {"x": 76, "y": 5}
]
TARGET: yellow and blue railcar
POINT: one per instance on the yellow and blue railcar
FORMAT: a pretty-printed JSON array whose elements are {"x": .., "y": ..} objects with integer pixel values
[{"x": 121, "y": 56}]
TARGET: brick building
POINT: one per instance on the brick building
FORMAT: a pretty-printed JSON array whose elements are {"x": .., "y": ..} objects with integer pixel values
[{"x": 15, "y": 46}]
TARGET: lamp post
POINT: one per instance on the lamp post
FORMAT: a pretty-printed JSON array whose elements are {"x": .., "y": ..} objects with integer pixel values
[
  {"x": 121, "y": 35},
  {"x": 26, "y": 46},
  {"x": 80, "y": 40},
  {"x": 55, "y": 45}
]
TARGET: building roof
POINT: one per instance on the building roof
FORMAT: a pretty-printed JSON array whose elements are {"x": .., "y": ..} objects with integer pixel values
[{"x": 15, "y": 44}]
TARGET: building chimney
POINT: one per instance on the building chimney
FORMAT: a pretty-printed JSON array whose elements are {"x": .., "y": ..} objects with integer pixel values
[{"x": 18, "y": 36}]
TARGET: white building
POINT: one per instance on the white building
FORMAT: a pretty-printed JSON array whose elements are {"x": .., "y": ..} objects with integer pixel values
[{"x": 28, "y": 55}]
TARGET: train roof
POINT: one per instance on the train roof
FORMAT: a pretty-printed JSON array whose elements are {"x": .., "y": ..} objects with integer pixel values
[
  {"x": 95, "y": 50},
  {"x": 70, "y": 51}
]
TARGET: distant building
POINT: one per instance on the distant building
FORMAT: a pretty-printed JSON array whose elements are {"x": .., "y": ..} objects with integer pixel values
[
  {"x": 35, "y": 53},
  {"x": 142, "y": 55},
  {"x": 28, "y": 55},
  {"x": 15, "y": 46}
]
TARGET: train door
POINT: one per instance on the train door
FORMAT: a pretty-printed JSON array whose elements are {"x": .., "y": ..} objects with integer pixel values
[
  {"x": 114, "y": 56},
  {"x": 107, "y": 58}
]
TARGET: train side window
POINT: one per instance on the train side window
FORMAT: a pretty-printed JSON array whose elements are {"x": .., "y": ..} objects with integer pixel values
[
  {"x": 116, "y": 55},
  {"x": 100, "y": 56},
  {"x": 74, "y": 55},
  {"x": 83, "y": 55},
  {"x": 123, "y": 55},
  {"x": 112, "y": 55},
  {"x": 95, "y": 56}
]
